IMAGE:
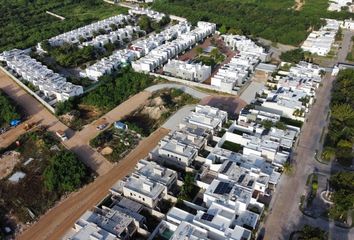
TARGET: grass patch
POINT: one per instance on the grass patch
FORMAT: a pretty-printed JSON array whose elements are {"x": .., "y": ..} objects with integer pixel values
[{"x": 235, "y": 147}]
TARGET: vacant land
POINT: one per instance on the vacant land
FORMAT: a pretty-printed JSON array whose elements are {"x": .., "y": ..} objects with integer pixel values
[
  {"x": 115, "y": 143},
  {"x": 112, "y": 91},
  {"x": 24, "y": 23},
  {"x": 43, "y": 173},
  {"x": 275, "y": 20},
  {"x": 161, "y": 105}
]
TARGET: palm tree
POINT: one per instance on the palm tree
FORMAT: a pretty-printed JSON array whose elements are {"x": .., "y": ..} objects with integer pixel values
[
  {"x": 288, "y": 168},
  {"x": 328, "y": 154}
]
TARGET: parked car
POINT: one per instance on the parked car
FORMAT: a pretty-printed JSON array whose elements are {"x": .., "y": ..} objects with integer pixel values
[
  {"x": 61, "y": 135},
  {"x": 101, "y": 126}
]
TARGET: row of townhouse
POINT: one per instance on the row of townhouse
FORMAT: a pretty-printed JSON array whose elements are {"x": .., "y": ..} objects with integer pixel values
[
  {"x": 160, "y": 55},
  {"x": 320, "y": 42},
  {"x": 245, "y": 45},
  {"x": 195, "y": 72},
  {"x": 54, "y": 87},
  {"x": 108, "y": 64},
  {"x": 87, "y": 32},
  {"x": 120, "y": 35},
  {"x": 136, "y": 50},
  {"x": 295, "y": 91},
  {"x": 148, "y": 12},
  {"x": 145, "y": 46},
  {"x": 234, "y": 74}
]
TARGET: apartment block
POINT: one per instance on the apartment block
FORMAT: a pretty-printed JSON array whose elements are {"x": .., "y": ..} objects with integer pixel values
[{"x": 188, "y": 71}]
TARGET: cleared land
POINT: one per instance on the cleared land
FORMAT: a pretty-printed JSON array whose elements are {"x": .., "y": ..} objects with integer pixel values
[{"x": 23, "y": 24}]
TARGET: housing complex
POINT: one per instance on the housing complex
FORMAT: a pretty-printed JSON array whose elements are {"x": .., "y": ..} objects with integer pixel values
[
  {"x": 320, "y": 42},
  {"x": 148, "y": 12},
  {"x": 292, "y": 92},
  {"x": 235, "y": 167},
  {"x": 195, "y": 72},
  {"x": 234, "y": 74},
  {"x": 160, "y": 55},
  {"x": 52, "y": 86}
]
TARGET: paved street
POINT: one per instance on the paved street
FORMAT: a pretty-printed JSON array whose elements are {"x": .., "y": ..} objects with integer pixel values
[
  {"x": 191, "y": 91},
  {"x": 285, "y": 215},
  {"x": 57, "y": 221}
]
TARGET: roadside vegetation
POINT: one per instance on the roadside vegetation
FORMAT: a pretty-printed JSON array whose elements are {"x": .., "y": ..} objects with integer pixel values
[
  {"x": 310, "y": 233},
  {"x": 162, "y": 104},
  {"x": 256, "y": 18},
  {"x": 25, "y": 23},
  {"x": 8, "y": 110},
  {"x": 49, "y": 172},
  {"x": 343, "y": 196},
  {"x": 112, "y": 91},
  {"x": 339, "y": 139}
]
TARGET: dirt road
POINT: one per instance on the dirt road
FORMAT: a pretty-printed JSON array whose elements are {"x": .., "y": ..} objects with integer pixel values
[
  {"x": 79, "y": 141},
  {"x": 35, "y": 111},
  {"x": 56, "y": 222}
]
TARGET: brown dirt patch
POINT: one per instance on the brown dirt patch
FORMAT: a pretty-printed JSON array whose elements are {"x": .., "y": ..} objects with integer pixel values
[{"x": 7, "y": 163}]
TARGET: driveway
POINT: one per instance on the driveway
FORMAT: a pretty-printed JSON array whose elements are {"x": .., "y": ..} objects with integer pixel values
[
  {"x": 191, "y": 91},
  {"x": 173, "y": 122},
  {"x": 249, "y": 93}
]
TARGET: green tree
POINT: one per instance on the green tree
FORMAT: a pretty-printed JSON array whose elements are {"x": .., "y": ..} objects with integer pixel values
[
  {"x": 328, "y": 154},
  {"x": 8, "y": 110},
  {"x": 144, "y": 23},
  {"x": 222, "y": 29},
  {"x": 199, "y": 50},
  {"x": 64, "y": 173},
  {"x": 267, "y": 124},
  {"x": 293, "y": 56}
]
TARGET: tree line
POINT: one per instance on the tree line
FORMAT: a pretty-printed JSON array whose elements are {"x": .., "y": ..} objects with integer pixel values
[{"x": 272, "y": 19}]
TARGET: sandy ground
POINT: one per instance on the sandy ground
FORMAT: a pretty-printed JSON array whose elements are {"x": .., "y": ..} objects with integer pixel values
[
  {"x": 56, "y": 222},
  {"x": 7, "y": 163},
  {"x": 298, "y": 4}
]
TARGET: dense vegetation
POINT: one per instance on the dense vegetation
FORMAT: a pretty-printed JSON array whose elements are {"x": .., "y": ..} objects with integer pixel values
[
  {"x": 312, "y": 233},
  {"x": 343, "y": 196},
  {"x": 293, "y": 56},
  {"x": 64, "y": 173},
  {"x": 8, "y": 110},
  {"x": 148, "y": 25},
  {"x": 70, "y": 55},
  {"x": 271, "y": 19},
  {"x": 23, "y": 23},
  {"x": 339, "y": 139},
  {"x": 50, "y": 172}
]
